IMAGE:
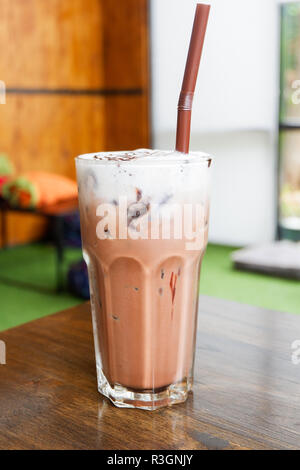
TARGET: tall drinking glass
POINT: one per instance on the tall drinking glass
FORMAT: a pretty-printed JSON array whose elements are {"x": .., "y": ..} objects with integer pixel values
[{"x": 144, "y": 222}]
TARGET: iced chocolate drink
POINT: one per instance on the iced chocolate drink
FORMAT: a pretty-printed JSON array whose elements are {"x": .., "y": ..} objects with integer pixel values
[{"x": 144, "y": 221}]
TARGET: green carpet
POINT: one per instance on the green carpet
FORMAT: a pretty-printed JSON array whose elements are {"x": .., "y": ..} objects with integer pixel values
[
  {"x": 219, "y": 279},
  {"x": 35, "y": 264}
]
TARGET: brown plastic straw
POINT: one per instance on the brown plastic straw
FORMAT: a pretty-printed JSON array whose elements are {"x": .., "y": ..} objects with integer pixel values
[{"x": 190, "y": 78}]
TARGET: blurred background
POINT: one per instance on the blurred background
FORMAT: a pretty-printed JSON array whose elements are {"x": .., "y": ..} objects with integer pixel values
[{"x": 92, "y": 75}]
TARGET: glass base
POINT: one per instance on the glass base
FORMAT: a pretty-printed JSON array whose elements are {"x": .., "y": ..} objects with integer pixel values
[{"x": 123, "y": 397}]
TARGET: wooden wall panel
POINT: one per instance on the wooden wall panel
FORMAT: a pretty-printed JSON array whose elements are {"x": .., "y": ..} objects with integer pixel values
[
  {"x": 74, "y": 43},
  {"x": 77, "y": 78},
  {"x": 51, "y": 43},
  {"x": 45, "y": 132},
  {"x": 126, "y": 123},
  {"x": 64, "y": 127},
  {"x": 125, "y": 38}
]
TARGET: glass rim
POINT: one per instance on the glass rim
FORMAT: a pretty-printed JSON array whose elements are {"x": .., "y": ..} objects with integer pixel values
[{"x": 165, "y": 159}]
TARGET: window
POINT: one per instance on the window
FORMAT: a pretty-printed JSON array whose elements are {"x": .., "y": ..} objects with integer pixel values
[{"x": 289, "y": 150}]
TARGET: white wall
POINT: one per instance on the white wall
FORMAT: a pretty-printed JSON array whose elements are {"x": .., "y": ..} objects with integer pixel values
[
  {"x": 243, "y": 190},
  {"x": 235, "y": 106}
]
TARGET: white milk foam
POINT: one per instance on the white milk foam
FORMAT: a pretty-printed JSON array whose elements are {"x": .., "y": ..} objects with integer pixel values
[{"x": 159, "y": 177}]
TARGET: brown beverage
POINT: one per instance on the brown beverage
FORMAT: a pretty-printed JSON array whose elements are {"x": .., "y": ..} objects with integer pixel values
[{"x": 144, "y": 221}]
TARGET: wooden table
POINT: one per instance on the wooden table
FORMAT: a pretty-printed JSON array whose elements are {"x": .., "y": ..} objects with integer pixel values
[{"x": 246, "y": 394}]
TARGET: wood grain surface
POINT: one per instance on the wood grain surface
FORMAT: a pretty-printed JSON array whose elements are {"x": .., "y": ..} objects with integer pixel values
[
  {"x": 67, "y": 126},
  {"x": 246, "y": 393},
  {"x": 74, "y": 44}
]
